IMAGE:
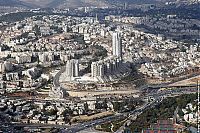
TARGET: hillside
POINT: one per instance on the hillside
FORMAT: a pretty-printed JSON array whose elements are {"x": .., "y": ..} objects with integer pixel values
[
  {"x": 14, "y": 3},
  {"x": 39, "y": 3},
  {"x": 9, "y": 2},
  {"x": 82, "y": 3}
]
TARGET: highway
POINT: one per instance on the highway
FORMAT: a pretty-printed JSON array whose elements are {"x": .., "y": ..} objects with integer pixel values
[
  {"x": 157, "y": 98},
  {"x": 156, "y": 95},
  {"x": 83, "y": 126}
]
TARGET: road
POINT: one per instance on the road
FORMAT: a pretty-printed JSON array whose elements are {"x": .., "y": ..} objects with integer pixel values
[
  {"x": 85, "y": 125},
  {"x": 90, "y": 130},
  {"x": 157, "y": 98},
  {"x": 56, "y": 78}
]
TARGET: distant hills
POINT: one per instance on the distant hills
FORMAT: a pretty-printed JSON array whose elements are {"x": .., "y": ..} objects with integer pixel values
[
  {"x": 17, "y": 3},
  {"x": 40, "y": 3},
  {"x": 9, "y": 2},
  {"x": 82, "y": 3},
  {"x": 77, "y": 3}
]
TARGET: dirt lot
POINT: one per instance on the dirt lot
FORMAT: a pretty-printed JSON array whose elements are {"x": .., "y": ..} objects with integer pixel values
[{"x": 82, "y": 118}]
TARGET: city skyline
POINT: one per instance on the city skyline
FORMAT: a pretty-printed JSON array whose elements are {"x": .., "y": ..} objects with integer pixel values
[{"x": 99, "y": 66}]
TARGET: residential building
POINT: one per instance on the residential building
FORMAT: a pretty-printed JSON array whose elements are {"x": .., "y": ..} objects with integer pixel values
[
  {"x": 117, "y": 44},
  {"x": 23, "y": 59},
  {"x": 72, "y": 68}
]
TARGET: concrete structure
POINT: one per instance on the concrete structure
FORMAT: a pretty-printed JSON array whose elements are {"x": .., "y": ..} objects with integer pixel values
[
  {"x": 46, "y": 57},
  {"x": 72, "y": 68},
  {"x": 23, "y": 59},
  {"x": 117, "y": 44},
  {"x": 109, "y": 66},
  {"x": 97, "y": 69},
  {"x": 57, "y": 92}
]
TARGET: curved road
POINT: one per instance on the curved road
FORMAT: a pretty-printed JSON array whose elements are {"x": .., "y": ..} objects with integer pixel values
[{"x": 56, "y": 78}]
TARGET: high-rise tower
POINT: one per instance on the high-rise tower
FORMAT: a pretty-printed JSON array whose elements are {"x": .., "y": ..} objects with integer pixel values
[
  {"x": 72, "y": 68},
  {"x": 117, "y": 44},
  {"x": 97, "y": 69}
]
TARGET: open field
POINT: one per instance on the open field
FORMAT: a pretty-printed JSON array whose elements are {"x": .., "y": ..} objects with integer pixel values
[
  {"x": 134, "y": 93},
  {"x": 82, "y": 118},
  {"x": 190, "y": 81}
]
